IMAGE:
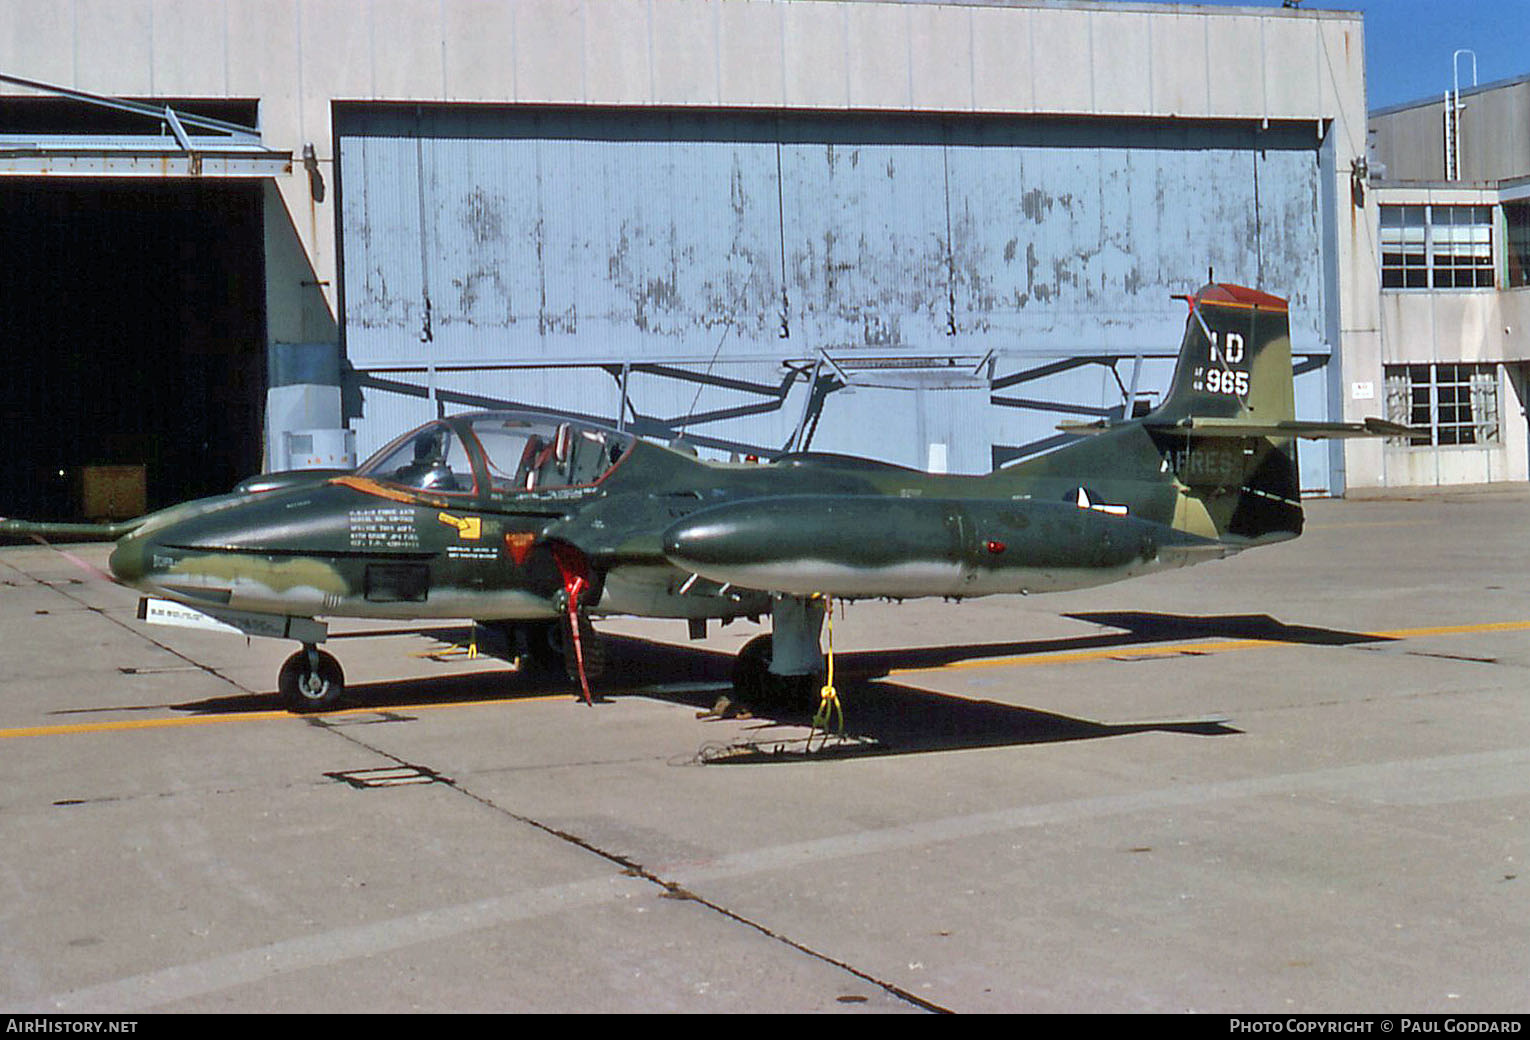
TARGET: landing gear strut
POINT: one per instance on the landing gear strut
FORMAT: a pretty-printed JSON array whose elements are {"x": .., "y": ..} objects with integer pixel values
[
  {"x": 311, "y": 680},
  {"x": 784, "y": 670}
]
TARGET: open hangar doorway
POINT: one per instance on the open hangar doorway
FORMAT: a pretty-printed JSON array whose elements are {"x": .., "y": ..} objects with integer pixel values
[{"x": 134, "y": 318}]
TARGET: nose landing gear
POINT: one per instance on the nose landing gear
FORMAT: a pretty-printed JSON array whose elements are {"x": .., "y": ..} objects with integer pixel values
[{"x": 311, "y": 680}]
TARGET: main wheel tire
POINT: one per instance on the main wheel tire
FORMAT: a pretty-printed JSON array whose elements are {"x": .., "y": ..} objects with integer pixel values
[
  {"x": 544, "y": 644},
  {"x": 592, "y": 646},
  {"x": 763, "y": 690},
  {"x": 304, "y": 689}
]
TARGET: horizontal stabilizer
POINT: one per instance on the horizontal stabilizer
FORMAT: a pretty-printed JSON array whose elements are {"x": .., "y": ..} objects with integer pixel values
[
  {"x": 1082, "y": 429},
  {"x": 1210, "y": 427},
  {"x": 1207, "y": 427}
]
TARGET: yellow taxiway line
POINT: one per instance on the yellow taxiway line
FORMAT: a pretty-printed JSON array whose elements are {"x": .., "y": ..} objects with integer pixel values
[{"x": 252, "y": 716}]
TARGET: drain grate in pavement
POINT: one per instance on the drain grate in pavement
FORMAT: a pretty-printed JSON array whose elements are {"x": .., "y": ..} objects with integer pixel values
[{"x": 391, "y": 776}]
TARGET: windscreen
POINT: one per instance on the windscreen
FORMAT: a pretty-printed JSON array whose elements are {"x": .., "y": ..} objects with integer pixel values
[{"x": 431, "y": 458}]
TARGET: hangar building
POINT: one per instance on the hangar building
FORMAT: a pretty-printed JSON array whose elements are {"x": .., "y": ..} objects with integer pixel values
[
  {"x": 925, "y": 232},
  {"x": 1453, "y": 192}
]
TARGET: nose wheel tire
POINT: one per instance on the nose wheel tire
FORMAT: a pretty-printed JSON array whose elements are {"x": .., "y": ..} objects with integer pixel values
[{"x": 311, "y": 680}]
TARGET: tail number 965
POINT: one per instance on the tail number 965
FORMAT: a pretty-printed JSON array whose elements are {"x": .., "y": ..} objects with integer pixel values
[{"x": 1226, "y": 381}]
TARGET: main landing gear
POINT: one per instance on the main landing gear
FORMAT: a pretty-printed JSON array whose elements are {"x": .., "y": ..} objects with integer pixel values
[
  {"x": 782, "y": 671},
  {"x": 310, "y": 681},
  {"x": 550, "y": 649},
  {"x": 544, "y": 647}
]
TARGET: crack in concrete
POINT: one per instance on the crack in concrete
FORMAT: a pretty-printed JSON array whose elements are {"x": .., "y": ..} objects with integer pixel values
[{"x": 671, "y": 889}]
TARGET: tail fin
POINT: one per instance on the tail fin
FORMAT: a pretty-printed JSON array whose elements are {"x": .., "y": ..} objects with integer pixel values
[
  {"x": 1227, "y": 426},
  {"x": 1235, "y": 361}
]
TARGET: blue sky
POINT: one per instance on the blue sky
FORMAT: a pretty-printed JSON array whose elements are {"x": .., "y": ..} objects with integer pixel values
[{"x": 1408, "y": 43}]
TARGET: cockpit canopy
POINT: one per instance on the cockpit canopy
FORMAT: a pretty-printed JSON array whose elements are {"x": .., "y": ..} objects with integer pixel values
[{"x": 507, "y": 451}]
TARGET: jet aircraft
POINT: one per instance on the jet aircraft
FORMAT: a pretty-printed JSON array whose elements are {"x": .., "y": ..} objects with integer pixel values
[{"x": 532, "y": 525}]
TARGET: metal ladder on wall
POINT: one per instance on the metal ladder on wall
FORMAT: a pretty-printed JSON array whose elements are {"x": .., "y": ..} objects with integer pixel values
[{"x": 1453, "y": 109}]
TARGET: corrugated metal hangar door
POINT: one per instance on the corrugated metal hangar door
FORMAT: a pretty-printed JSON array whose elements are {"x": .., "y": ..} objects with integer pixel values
[{"x": 935, "y": 291}]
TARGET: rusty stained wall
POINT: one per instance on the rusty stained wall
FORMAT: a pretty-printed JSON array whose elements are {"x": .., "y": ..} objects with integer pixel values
[{"x": 717, "y": 240}]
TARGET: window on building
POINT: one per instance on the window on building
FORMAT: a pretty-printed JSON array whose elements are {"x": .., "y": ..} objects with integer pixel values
[
  {"x": 1436, "y": 247},
  {"x": 1517, "y": 249},
  {"x": 1404, "y": 263},
  {"x": 1445, "y": 404}
]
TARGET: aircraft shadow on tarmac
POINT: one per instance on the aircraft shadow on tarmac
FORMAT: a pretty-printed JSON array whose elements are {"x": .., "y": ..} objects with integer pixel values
[
  {"x": 881, "y": 717},
  {"x": 1148, "y": 627},
  {"x": 894, "y": 719},
  {"x": 1138, "y": 628}
]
